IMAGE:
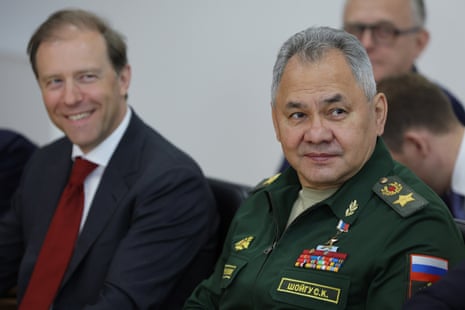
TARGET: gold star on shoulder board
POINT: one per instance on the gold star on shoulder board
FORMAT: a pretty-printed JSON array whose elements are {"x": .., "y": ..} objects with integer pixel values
[
  {"x": 404, "y": 199},
  {"x": 399, "y": 196}
]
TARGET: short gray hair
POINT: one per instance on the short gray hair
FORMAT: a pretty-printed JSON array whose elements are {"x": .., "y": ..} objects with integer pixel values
[{"x": 312, "y": 44}]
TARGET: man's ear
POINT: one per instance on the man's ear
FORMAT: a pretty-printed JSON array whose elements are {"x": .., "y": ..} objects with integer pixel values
[
  {"x": 124, "y": 77},
  {"x": 381, "y": 109},
  {"x": 421, "y": 41},
  {"x": 417, "y": 144}
]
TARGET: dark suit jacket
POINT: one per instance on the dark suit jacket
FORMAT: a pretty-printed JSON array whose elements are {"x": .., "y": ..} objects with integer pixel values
[
  {"x": 447, "y": 293},
  {"x": 149, "y": 236},
  {"x": 15, "y": 151}
]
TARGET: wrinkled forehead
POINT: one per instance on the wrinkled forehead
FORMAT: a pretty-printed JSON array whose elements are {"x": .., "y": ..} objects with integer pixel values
[{"x": 329, "y": 72}]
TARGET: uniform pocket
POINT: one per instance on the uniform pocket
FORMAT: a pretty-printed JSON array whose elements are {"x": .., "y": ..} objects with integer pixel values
[
  {"x": 230, "y": 270},
  {"x": 314, "y": 289}
]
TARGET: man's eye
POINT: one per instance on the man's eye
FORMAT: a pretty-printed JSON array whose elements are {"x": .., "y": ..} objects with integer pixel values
[
  {"x": 338, "y": 112},
  {"x": 384, "y": 31},
  {"x": 297, "y": 115},
  {"x": 87, "y": 78},
  {"x": 53, "y": 82}
]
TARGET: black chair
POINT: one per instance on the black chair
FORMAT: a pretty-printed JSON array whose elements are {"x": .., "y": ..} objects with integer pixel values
[
  {"x": 461, "y": 225},
  {"x": 229, "y": 196},
  {"x": 8, "y": 301}
]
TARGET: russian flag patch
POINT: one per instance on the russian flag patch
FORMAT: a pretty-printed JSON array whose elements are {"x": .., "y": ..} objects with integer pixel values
[{"x": 425, "y": 270}]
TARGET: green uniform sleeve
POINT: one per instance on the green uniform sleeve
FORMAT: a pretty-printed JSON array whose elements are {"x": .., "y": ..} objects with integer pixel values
[
  {"x": 434, "y": 238},
  {"x": 206, "y": 295}
]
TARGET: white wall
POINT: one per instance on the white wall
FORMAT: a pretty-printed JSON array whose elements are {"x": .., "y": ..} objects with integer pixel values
[
  {"x": 22, "y": 107},
  {"x": 202, "y": 69}
]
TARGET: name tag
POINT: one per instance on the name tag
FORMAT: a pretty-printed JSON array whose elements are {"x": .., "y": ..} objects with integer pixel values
[{"x": 310, "y": 290}]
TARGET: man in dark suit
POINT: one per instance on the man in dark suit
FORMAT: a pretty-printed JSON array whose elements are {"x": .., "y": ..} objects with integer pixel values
[
  {"x": 15, "y": 150},
  {"x": 445, "y": 294},
  {"x": 147, "y": 232}
]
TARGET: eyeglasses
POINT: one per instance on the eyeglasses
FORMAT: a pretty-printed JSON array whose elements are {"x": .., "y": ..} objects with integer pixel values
[{"x": 383, "y": 33}]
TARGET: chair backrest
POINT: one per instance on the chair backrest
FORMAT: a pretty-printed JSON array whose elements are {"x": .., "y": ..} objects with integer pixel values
[
  {"x": 461, "y": 225},
  {"x": 229, "y": 196}
]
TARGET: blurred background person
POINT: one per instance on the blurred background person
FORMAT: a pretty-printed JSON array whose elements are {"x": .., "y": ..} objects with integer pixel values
[
  {"x": 394, "y": 35},
  {"x": 423, "y": 133}
]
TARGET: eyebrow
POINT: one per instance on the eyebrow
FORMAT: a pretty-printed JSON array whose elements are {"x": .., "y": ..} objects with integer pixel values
[
  {"x": 333, "y": 98},
  {"x": 329, "y": 100},
  {"x": 294, "y": 105}
]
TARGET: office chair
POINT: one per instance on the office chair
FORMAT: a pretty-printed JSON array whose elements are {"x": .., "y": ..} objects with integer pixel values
[
  {"x": 229, "y": 196},
  {"x": 8, "y": 302}
]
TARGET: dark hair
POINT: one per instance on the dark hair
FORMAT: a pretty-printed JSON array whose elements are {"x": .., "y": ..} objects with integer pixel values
[
  {"x": 414, "y": 102},
  {"x": 116, "y": 46}
]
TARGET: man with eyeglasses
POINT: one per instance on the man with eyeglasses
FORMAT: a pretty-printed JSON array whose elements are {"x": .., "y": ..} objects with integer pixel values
[{"x": 393, "y": 33}]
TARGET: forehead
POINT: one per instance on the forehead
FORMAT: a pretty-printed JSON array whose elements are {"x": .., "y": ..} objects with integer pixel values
[
  {"x": 72, "y": 33},
  {"x": 372, "y": 11},
  {"x": 330, "y": 74},
  {"x": 71, "y": 44}
]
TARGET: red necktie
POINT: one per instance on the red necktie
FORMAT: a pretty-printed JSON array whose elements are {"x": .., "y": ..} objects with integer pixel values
[{"x": 59, "y": 242}]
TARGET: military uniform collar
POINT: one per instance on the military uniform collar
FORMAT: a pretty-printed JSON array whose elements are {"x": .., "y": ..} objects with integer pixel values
[
  {"x": 348, "y": 200},
  {"x": 355, "y": 193}
]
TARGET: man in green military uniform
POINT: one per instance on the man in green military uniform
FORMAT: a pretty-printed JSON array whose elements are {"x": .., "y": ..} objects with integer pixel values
[{"x": 345, "y": 227}]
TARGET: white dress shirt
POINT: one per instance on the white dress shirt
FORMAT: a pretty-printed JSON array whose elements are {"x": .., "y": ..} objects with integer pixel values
[
  {"x": 458, "y": 174},
  {"x": 100, "y": 155}
]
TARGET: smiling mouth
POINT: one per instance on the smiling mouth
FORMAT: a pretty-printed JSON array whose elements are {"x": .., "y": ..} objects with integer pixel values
[{"x": 79, "y": 116}]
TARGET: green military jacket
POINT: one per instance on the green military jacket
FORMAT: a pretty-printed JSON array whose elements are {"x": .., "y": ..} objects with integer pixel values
[{"x": 385, "y": 226}]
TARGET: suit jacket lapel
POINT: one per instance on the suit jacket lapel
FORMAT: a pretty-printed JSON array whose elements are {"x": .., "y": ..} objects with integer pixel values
[
  {"x": 49, "y": 189},
  {"x": 111, "y": 191}
]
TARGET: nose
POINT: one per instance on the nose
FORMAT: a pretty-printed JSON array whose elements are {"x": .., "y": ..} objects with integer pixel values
[
  {"x": 72, "y": 93},
  {"x": 318, "y": 131}
]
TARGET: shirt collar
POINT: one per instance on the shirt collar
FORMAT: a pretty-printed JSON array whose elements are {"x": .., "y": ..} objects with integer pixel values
[
  {"x": 102, "y": 153},
  {"x": 458, "y": 177}
]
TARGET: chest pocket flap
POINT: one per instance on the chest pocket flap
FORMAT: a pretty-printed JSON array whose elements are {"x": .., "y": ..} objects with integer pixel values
[{"x": 230, "y": 270}]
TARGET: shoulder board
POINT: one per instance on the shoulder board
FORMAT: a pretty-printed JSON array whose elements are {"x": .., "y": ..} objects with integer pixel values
[
  {"x": 265, "y": 182},
  {"x": 399, "y": 195}
]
